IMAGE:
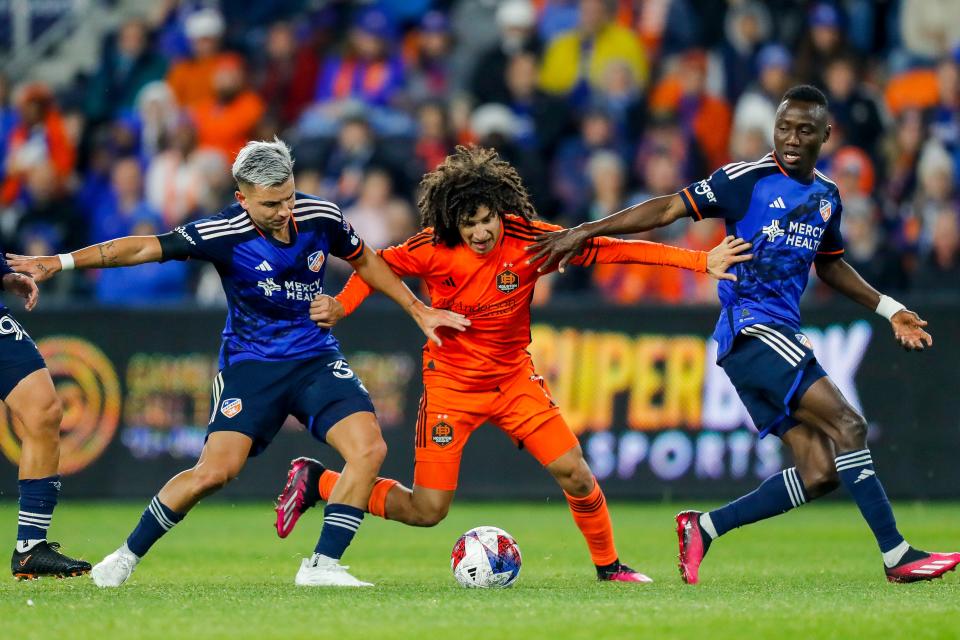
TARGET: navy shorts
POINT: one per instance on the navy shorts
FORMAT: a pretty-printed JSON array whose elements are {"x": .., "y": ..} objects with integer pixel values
[
  {"x": 771, "y": 366},
  {"x": 19, "y": 356},
  {"x": 254, "y": 397}
]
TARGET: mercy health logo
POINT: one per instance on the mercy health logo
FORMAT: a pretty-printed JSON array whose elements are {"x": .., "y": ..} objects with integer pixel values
[
  {"x": 773, "y": 231},
  {"x": 315, "y": 261},
  {"x": 231, "y": 407},
  {"x": 268, "y": 286},
  {"x": 302, "y": 290}
]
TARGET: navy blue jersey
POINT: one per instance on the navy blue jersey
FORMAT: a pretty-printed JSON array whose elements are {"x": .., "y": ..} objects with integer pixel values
[
  {"x": 269, "y": 284},
  {"x": 4, "y": 270},
  {"x": 789, "y": 222}
]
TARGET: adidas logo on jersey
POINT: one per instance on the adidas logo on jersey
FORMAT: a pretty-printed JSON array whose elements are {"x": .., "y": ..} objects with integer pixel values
[
  {"x": 450, "y": 282},
  {"x": 264, "y": 266},
  {"x": 778, "y": 203}
]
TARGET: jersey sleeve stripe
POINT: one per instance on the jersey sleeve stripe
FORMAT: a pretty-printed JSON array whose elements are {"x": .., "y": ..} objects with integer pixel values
[
  {"x": 521, "y": 231},
  {"x": 830, "y": 253},
  {"x": 301, "y": 202},
  {"x": 691, "y": 203},
  {"x": 307, "y": 208},
  {"x": 311, "y": 216},
  {"x": 220, "y": 223},
  {"x": 745, "y": 170},
  {"x": 419, "y": 243},
  {"x": 356, "y": 254},
  {"x": 211, "y": 236}
]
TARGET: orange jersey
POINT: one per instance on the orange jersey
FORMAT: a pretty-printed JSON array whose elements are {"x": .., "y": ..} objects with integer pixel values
[{"x": 494, "y": 292}]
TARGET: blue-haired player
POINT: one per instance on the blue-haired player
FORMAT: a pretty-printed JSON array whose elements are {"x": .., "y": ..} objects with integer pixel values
[
  {"x": 27, "y": 390},
  {"x": 270, "y": 249},
  {"x": 791, "y": 214}
]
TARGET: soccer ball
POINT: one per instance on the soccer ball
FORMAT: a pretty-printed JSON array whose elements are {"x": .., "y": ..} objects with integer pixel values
[{"x": 485, "y": 558}]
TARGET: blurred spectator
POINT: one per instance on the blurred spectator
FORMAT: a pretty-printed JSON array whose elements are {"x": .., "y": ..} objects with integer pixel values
[
  {"x": 429, "y": 71},
  {"x": 570, "y": 179},
  {"x": 124, "y": 202},
  {"x": 665, "y": 136},
  {"x": 144, "y": 285},
  {"x": 945, "y": 114},
  {"x": 929, "y": 28},
  {"x": 226, "y": 121},
  {"x": 823, "y": 41},
  {"x": 191, "y": 79},
  {"x": 851, "y": 106},
  {"x": 607, "y": 174},
  {"x": 940, "y": 270},
  {"x": 126, "y": 66},
  {"x": 757, "y": 107},
  {"x": 747, "y": 27},
  {"x": 39, "y": 139},
  {"x": 541, "y": 119},
  {"x": 178, "y": 182},
  {"x": 936, "y": 191},
  {"x": 852, "y": 169},
  {"x": 370, "y": 70},
  {"x": 516, "y": 22},
  {"x": 368, "y": 215},
  {"x": 8, "y": 120},
  {"x": 865, "y": 248},
  {"x": 434, "y": 137},
  {"x": 278, "y": 78},
  {"x": 157, "y": 113},
  {"x": 901, "y": 152},
  {"x": 575, "y": 61},
  {"x": 623, "y": 99},
  {"x": 48, "y": 213},
  {"x": 684, "y": 95}
]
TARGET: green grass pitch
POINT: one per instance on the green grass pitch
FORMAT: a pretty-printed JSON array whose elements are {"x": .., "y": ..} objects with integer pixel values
[{"x": 223, "y": 573}]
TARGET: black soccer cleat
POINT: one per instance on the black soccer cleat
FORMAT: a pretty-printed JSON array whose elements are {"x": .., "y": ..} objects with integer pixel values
[
  {"x": 619, "y": 572},
  {"x": 45, "y": 559}
]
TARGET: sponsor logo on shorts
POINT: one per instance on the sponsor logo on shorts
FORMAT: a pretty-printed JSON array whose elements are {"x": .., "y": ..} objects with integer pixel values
[
  {"x": 804, "y": 340},
  {"x": 507, "y": 281},
  {"x": 231, "y": 407},
  {"x": 442, "y": 434},
  {"x": 315, "y": 261}
]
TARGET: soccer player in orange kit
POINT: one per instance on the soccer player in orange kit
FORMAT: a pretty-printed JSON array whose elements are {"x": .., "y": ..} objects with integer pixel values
[{"x": 477, "y": 221}]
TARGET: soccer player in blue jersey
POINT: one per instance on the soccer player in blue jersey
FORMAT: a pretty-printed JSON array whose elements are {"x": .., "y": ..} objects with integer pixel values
[
  {"x": 270, "y": 248},
  {"x": 27, "y": 390},
  {"x": 791, "y": 214}
]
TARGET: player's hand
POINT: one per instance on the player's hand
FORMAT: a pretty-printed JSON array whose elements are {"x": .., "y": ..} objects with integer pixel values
[
  {"x": 325, "y": 311},
  {"x": 725, "y": 255},
  {"x": 558, "y": 248},
  {"x": 39, "y": 268},
  {"x": 430, "y": 319},
  {"x": 908, "y": 330},
  {"x": 23, "y": 286}
]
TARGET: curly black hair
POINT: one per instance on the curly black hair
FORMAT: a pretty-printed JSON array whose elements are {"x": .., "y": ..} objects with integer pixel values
[{"x": 472, "y": 176}]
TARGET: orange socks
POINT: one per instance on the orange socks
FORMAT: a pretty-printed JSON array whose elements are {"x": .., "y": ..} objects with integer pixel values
[
  {"x": 593, "y": 519},
  {"x": 378, "y": 497}
]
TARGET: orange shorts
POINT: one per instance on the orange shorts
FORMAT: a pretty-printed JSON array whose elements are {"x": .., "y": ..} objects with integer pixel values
[{"x": 522, "y": 408}]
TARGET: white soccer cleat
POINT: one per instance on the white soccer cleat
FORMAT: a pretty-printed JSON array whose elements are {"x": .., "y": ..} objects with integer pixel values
[
  {"x": 114, "y": 570},
  {"x": 321, "y": 571}
]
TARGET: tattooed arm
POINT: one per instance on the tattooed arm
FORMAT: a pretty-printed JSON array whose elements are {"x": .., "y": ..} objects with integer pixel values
[{"x": 122, "y": 252}]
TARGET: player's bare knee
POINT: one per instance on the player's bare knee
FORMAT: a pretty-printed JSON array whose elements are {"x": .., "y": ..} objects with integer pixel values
[
  {"x": 431, "y": 516},
  {"x": 852, "y": 431},
  {"x": 42, "y": 421},
  {"x": 209, "y": 480},
  {"x": 368, "y": 456},
  {"x": 820, "y": 481}
]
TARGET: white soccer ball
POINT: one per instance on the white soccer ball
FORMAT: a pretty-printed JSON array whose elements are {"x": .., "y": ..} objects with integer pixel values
[{"x": 485, "y": 558}]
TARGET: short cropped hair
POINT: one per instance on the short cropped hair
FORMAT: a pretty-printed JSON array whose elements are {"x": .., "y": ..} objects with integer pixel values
[
  {"x": 263, "y": 163},
  {"x": 806, "y": 93}
]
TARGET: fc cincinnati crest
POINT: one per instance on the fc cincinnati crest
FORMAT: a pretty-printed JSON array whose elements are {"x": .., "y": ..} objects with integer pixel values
[
  {"x": 231, "y": 407},
  {"x": 825, "y": 210},
  {"x": 315, "y": 261},
  {"x": 442, "y": 434},
  {"x": 507, "y": 281}
]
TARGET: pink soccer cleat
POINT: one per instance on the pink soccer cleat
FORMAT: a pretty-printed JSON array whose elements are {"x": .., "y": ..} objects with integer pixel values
[
  {"x": 693, "y": 545},
  {"x": 619, "y": 572},
  {"x": 301, "y": 492},
  {"x": 930, "y": 567}
]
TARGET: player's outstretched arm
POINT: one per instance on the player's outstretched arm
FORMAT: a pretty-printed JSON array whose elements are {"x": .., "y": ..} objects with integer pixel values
[
  {"x": 907, "y": 325},
  {"x": 717, "y": 262},
  {"x": 121, "y": 252},
  {"x": 378, "y": 274},
  {"x": 559, "y": 248}
]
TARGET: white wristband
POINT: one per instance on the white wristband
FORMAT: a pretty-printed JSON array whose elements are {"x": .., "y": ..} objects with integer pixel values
[
  {"x": 888, "y": 306},
  {"x": 66, "y": 261}
]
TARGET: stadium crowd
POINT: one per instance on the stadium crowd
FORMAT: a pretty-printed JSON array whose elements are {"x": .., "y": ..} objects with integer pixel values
[{"x": 598, "y": 103}]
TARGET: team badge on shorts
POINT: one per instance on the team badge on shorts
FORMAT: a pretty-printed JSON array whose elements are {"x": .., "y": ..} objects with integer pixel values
[
  {"x": 825, "y": 210},
  {"x": 315, "y": 261},
  {"x": 804, "y": 340},
  {"x": 507, "y": 281},
  {"x": 231, "y": 407},
  {"x": 442, "y": 434}
]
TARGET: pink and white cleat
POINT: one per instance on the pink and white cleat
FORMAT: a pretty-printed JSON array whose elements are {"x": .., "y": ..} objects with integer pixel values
[
  {"x": 301, "y": 492},
  {"x": 619, "y": 572},
  {"x": 693, "y": 544},
  {"x": 930, "y": 567}
]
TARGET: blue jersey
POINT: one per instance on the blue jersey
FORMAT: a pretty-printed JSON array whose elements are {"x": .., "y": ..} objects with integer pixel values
[
  {"x": 789, "y": 222},
  {"x": 269, "y": 284}
]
